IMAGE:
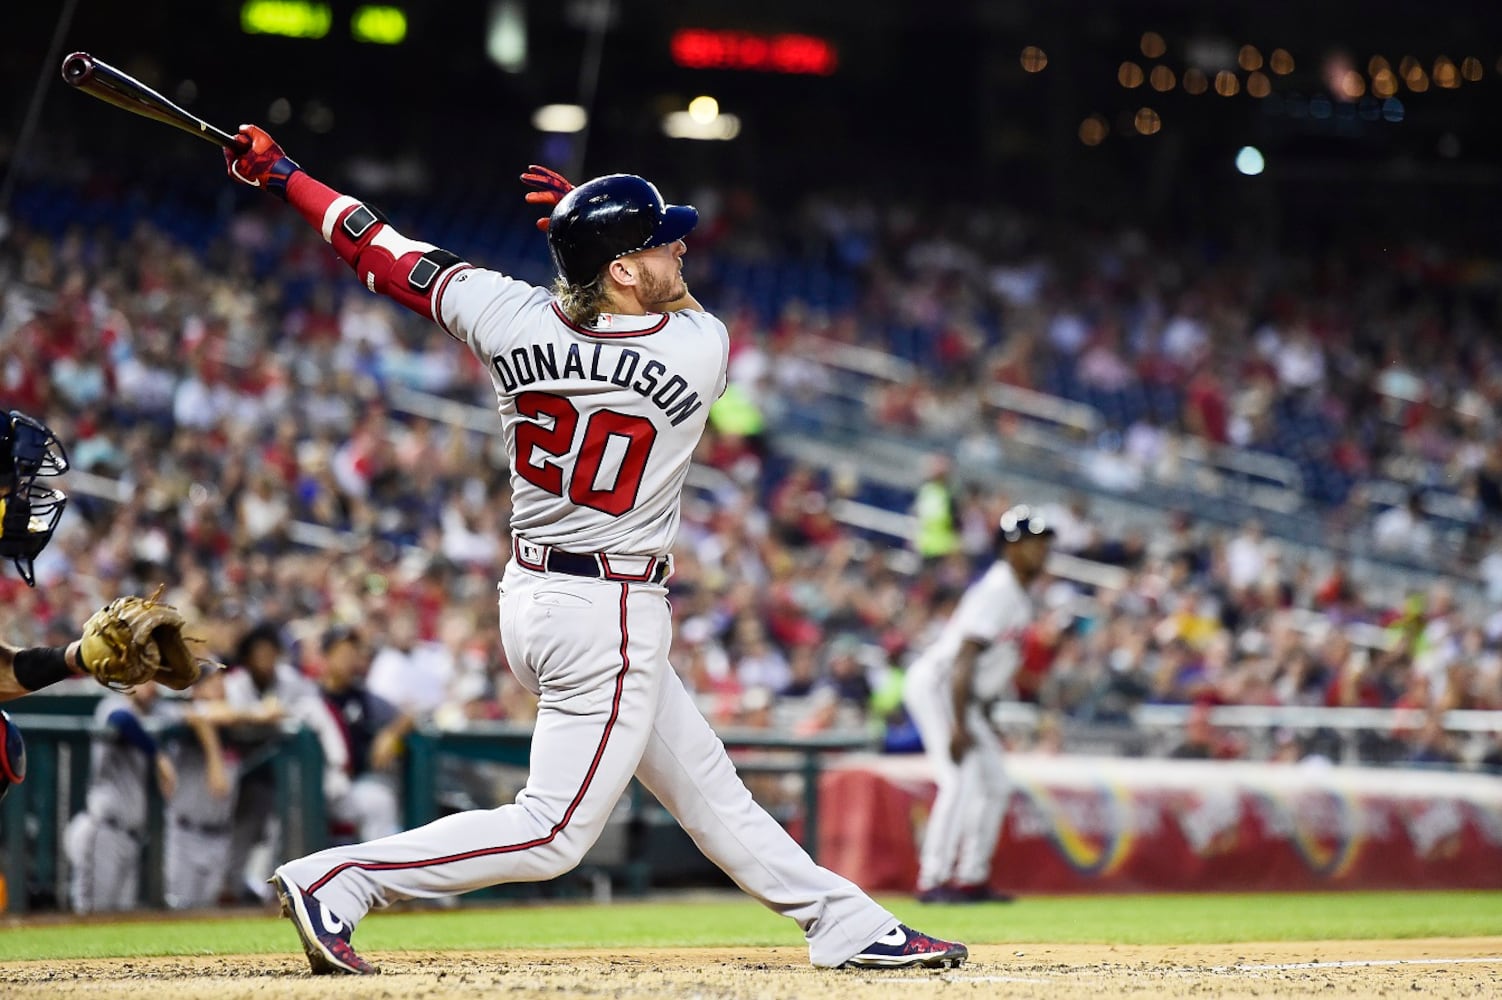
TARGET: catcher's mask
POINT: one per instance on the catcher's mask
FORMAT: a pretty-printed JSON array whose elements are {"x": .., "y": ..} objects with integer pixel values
[
  {"x": 12, "y": 755},
  {"x": 28, "y": 512}
]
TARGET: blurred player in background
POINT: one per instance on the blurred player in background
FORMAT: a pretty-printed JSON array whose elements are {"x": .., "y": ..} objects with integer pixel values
[
  {"x": 373, "y": 730},
  {"x": 198, "y": 819},
  {"x": 263, "y": 689},
  {"x": 949, "y": 690},
  {"x": 200, "y": 816},
  {"x": 103, "y": 843},
  {"x": 603, "y": 387}
]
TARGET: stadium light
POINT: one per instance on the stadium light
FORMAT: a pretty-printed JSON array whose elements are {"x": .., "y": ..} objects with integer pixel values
[
  {"x": 560, "y": 118},
  {"x": 506, "y": 35},
  {"x": 704, "y": 109},
  {"x": 288, "y": 18},
  {"x": 1249, "y": 161},
  {"x": 378, "y": 25},
  {"x": 683, "y": 125}
]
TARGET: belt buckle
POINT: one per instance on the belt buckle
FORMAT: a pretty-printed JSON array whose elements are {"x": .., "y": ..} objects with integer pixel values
[{"x": 532, "y": 555}]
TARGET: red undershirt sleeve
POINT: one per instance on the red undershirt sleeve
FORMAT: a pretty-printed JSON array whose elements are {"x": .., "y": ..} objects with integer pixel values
[{"x": 411, "y": 273}]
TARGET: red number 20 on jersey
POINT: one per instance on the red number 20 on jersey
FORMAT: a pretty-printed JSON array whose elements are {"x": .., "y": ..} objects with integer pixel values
[{"x": 556, "y": 441}]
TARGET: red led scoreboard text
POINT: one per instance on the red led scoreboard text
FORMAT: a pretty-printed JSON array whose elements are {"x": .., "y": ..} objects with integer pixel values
[{"x": 703, "y": 48}]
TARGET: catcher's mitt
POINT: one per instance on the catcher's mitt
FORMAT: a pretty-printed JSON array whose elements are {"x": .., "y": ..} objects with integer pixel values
[{"x": 132, "y": 640}]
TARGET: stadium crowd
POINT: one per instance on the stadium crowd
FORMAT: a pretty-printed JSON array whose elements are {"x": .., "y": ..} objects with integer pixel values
[{"x": 236, "y": 385}]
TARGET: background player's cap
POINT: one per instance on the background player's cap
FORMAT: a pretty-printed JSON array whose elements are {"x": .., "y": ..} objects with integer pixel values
[
  {"x": 1022, "y": 522},
  {"x": 610, "y": 217}
]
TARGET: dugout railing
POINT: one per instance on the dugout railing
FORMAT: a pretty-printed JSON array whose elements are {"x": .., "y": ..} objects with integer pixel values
[
  {"x": 59, "y": 730},
  {"x": 36, "y": 813}
]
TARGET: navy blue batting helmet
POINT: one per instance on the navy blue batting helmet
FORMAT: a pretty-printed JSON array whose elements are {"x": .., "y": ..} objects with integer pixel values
[
  {"x": 610, "y": 217},
  {"x": 1022, "y": 522},
  {"x": 12, "y": 755}
]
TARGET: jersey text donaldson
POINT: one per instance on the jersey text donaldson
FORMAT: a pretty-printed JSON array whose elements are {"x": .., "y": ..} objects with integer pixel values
[{"x": 524, "y": 367}]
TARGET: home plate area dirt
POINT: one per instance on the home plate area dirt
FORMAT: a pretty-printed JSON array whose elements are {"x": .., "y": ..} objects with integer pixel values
[{"x": 1470, "y": 967}]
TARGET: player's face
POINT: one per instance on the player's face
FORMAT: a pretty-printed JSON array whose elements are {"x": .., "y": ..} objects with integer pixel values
[
  {"x": 661, "y": 278},
  {"x": 341, "y": 662},
  {"x": 1032, "y": 554}
]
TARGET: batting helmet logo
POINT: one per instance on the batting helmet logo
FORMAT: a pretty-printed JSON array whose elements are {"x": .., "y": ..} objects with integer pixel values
[{"x": 610, "y": 217}]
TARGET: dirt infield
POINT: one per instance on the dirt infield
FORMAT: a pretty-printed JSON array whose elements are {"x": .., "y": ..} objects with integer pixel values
[{"x": 1464, "y": 967}]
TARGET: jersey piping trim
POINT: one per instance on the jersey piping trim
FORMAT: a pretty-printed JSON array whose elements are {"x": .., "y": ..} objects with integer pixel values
[
  {"x": 568, "y": 814},
  {"x": 609, "y": 334},
  {"x": 438, "y": 297}
]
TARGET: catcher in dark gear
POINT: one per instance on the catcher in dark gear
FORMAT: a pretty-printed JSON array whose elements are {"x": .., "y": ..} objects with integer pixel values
[
  {"x": 130, "y": 641},
  {"x": 29, "y": 511}
]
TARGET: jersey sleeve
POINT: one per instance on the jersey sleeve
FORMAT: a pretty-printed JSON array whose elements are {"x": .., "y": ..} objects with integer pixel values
[
  {"x": 479, "y": 306},
  {"x": 711, "y": 327},
  {"x": 984, "y": 613},
  {"x": 128, "y": 730}
]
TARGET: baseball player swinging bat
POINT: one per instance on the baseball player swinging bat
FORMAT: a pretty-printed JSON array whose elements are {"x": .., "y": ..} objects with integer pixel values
[{"x": 99, "y": 79}]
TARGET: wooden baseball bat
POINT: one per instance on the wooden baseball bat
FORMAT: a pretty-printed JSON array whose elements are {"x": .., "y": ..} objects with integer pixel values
[{"x": 99, "y": 79}]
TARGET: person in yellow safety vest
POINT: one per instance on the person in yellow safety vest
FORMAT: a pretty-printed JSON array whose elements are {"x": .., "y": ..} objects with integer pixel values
[
  {"x": 736, "y": 412},
  {"x": 938, "y": 527}
]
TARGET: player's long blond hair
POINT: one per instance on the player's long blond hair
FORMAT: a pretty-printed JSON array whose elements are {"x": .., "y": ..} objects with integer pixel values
[{"x": 582, "y": 304}]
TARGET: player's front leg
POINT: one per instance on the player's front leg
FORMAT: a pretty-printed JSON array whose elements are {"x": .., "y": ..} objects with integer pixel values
[{"x": 598, "y": 689}]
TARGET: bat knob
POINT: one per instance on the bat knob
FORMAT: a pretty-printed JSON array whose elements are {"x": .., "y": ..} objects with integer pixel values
[{"x": 78, "y": 67}]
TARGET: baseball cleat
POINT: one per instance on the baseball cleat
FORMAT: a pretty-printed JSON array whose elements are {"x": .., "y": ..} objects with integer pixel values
[
  {"x": 936, "y": 894},
  {"x": 324, "y": 936},
  {"x": 903, "y": 948},
  {"x": 978, "y": 892}
]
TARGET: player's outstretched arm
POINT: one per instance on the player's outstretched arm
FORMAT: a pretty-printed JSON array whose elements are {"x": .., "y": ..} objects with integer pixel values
[
  {"x": 23, "y": 671},
  {"x": 411, "y": 273}
]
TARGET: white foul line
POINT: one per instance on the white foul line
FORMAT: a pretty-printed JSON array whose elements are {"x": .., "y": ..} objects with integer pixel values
[
  {"x": 1300, "y": 966},
  {"x": 963, "y": 979}
]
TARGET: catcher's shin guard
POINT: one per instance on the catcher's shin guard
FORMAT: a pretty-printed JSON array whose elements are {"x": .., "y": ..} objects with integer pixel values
[{"x": 12, "y": 755}]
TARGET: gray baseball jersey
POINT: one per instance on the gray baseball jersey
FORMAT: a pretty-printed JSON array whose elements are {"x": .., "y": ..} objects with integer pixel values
[
  {"x": 103, "y": 842},
  {"x": 602, "y": 422},
  {"x": 118, "y": 772},
  {"x": 193, "y": 801},
  {"x": 198, "y": 828}
]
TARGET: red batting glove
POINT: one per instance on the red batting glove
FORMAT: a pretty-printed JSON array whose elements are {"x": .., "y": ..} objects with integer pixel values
[
  {"x": 551, "y": 185},
  {"x": 257, "y": 160}
]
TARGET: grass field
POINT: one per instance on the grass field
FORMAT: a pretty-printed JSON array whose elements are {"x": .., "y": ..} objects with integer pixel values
[{"x": 734, "y": 921}]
